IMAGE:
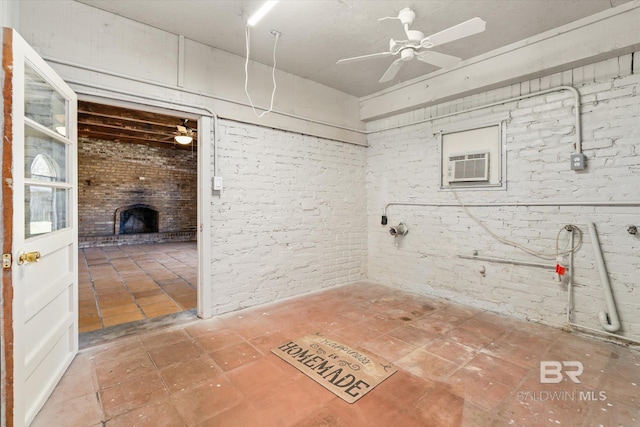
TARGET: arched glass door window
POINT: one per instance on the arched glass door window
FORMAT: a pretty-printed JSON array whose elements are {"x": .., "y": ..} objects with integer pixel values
[{"x": 45, "y": 201}]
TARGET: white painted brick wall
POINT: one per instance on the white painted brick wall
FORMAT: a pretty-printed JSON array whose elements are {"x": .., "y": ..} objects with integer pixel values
[
  {"x": 291, "y": 218},
  {"x": 403, "y": 163}
]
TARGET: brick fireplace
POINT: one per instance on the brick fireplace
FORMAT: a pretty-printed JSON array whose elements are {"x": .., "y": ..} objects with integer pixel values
[
  {"x": 134, "y": 219},
  {"x": 133, "y": 193}
]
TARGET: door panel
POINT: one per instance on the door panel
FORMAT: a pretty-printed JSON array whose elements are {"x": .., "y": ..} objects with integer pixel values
[{"x": 44, "y": 311}]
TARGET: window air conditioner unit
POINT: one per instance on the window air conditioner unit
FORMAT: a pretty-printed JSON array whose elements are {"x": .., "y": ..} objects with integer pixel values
[{"x": 468, "y": 167}]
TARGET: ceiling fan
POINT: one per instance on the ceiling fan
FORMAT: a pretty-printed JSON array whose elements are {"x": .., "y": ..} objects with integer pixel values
[
  {"x": 185, "y": 134},
  {"x": 418, "y": 46}
]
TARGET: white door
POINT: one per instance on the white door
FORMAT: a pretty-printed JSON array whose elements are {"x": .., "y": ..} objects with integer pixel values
[{"x": 39, "y": 192}]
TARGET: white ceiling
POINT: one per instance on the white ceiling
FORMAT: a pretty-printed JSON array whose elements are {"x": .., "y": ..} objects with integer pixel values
[{"x": 316, "y": 33}]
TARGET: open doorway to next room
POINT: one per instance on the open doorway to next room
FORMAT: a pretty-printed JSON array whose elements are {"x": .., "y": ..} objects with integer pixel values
[{"x": 137, "y": 215}]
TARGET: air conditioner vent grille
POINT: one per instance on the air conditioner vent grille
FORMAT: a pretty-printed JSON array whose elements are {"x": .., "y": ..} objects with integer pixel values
[{"x": 468, "y": 167}]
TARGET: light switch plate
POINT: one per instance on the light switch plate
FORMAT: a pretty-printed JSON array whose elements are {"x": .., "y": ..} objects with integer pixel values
[{"x": 217, "y": 183}]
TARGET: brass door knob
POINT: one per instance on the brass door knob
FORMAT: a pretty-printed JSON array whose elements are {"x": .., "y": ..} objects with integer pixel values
[{"x": 28, "y": 257}]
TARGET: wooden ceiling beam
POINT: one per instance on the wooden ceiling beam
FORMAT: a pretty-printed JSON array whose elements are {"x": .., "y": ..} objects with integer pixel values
[
  {"x": 118, "y": 124},
  {"x": 125, "y": 139}
]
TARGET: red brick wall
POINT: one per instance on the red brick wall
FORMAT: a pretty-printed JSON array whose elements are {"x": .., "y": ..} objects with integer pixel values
[{"x": 111, "y": 175}]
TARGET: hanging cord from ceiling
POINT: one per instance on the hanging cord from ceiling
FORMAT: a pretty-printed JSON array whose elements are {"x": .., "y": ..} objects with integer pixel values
[
  {"x": 568, "y": 250},
  {"x": 277, "y": 34}
]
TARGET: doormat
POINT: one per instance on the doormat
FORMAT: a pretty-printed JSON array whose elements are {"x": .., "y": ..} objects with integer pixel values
[{"x": 346, "y": 372}]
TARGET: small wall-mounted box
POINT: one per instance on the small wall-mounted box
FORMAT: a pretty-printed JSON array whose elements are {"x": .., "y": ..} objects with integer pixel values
[
  {"x": 578, "y": 162},
  {"x": 217, "y": 183}
]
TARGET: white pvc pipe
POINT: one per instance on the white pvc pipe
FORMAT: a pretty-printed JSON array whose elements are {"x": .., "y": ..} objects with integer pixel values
[
  {"x": 635, "y": 203},
  {"x": 507, "y": 261},
  {"x": 608, "y": 319},
  {"x": 570, "y": 305}
]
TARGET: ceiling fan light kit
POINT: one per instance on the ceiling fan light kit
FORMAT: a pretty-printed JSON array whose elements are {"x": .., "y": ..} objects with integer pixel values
[
  {"x": 183, "y": 139},
  {"x": 418, "y": 46},
  {"x": 185, "y": 134}
]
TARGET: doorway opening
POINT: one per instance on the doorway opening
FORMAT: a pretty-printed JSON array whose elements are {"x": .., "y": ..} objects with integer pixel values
[{"x": 137, "y": 216}]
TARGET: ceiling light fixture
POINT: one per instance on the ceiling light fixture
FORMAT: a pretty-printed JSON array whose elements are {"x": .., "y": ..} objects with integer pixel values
[
  {"x": 185, "y": 134},
  {"x": 183, "y": 139},
  {"x": 264, "y": 9}
]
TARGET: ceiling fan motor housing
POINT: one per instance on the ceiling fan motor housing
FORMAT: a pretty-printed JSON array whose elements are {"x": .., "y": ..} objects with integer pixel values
[
  {"x": 406, "y": 16},
  {"x": 407, "y": 54}
]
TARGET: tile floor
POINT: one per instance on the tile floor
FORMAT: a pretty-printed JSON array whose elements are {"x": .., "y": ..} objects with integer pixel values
[
  {"x": 458, "y": 366},
  {"x": 121, "y": 284}
]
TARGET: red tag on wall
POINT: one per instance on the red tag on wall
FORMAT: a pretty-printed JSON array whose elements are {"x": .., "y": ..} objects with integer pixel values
[{"x": 560, "y": 270}]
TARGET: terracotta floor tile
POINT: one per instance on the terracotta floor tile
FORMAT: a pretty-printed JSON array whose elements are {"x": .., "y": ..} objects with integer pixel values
[
  {"x": 433, "y": 325},
  {"x": 157, "y": 299},
  {"x": 132, "y": 394},
  {"x": 122, "y": 318},
  {"x": 162, "y": 338},
  {"x": 426, "y": 365},
  {"x": 268, "y": 341},
  {"x": 542, "y": 412},
  {"x": 174, "y": 353},
  {"x": 114, "y": 371},
  {"x": 241, "y": 415},
  {"x": 497, "y": 369},
  {"x": 143, "y": 285},
  {"x": 388, "y": 347},
  {"x": 190, "y": 373},
  {"x": 356, "y": 335},
  {"x": 79, "y": 411},
  {"x": 114, "y": 300},
  {"x": 235, "y": 355},
  {"x": 88, "y": 320},
  {"x": 260, "y": 376},
  {"x": 218, "y": 339},
  {"x": 333, "y": 415},
  {"x": 441, "y": 396},
  {"x": 90, "y": 327},
  {"x": 202, "y": 327},
  {"x": 379, "y": 410},
  {"x": 109, "y": 352},
  {"x": 415, "y": 336},
  {"x": 148, "y": 293},
  {"x": 518, "y": 348},
  {"x": 452, "y": 351},
  {"x": 206, "y": 400},
  {"x": 161, "y": 312},
  {"x": 604, "y": 413},
  {"x": 108, "y": 311},
  {"x": 76, "y": 383},
  {"x": 302, "y": 397},
  {"x": 475, "y": 416},
  {"x": 479, "y": 389},
  {"x": 469, "y": 368},
  {"x": 114, "y": 272},
  {"x": 160, "y": 413}
]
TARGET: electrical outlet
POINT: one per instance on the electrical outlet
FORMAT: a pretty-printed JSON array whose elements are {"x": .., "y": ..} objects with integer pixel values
[{"x": 578, "y": 161}]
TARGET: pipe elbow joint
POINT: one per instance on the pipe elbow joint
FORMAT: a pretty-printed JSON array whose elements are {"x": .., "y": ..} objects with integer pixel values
[{"x": 607, "y": 324}]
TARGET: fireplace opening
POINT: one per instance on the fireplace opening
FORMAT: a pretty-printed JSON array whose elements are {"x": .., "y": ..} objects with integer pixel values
[{"x": 136, "y": 219}]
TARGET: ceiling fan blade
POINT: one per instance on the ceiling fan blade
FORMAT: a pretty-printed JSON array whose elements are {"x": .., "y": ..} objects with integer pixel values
[
  {"x": 464, "y": 29},
  {"x": 392, "y": 70},
  {"x": 438, "y": 59},
  {"x": 363, "y": 57}
]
